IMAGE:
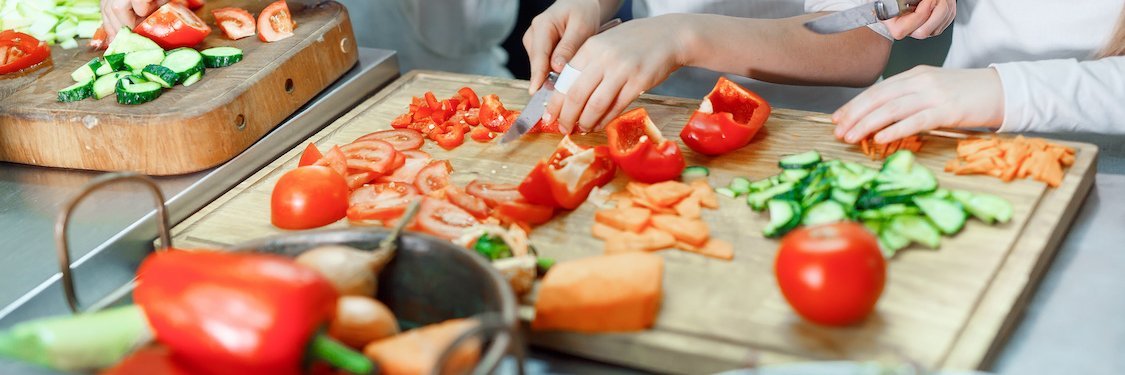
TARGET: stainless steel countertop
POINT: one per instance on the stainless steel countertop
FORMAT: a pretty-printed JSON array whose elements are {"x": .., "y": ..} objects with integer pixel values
[{"x": 115, "y": 227}]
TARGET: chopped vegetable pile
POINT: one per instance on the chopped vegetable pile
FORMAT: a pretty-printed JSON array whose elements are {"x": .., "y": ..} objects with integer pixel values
[
  {"x": 1012, "y": 158},
  {"x": 660, "y": 216},
  {"x": 877, "y": 151},
  {"x": 446, "y": 121},
  {"x": 52, "y": 21},
  {"x": 901, "y": 202}
]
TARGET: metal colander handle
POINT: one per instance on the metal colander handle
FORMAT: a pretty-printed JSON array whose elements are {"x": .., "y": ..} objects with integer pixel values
[{"x": 490, "y": 324}]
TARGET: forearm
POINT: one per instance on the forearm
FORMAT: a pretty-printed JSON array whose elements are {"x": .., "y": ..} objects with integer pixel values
[
  {"x": 1064, "y": 95},
  {"x": 782, "y": 50}
]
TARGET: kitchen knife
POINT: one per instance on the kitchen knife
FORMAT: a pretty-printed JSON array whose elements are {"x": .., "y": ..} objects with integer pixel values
[{"x": 860, "y": 16}]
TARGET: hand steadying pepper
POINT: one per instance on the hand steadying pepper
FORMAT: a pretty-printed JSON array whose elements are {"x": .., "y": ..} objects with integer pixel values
[{"x": 239, "y": 313}]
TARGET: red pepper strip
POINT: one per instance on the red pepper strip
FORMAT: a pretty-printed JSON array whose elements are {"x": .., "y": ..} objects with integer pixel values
[
  {"x": 493, "y": 114},
  {"x": 470, "y": 97},
  {"x": 727, "y": 120},
  {"x": 536, "y": 188},
  {"x": 641, "y": 151},
  {"x": 23, "y": 51},
  {"x": 572, "y": 172},
  {"x": 233, "y": 313}
]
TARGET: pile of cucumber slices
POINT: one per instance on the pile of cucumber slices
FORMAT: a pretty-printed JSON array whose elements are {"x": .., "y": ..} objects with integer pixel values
[
  {"x": 137, "y": 70},
  {"x": 900, "y": 202}
]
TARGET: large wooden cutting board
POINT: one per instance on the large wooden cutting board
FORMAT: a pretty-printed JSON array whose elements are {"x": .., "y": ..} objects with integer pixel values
[
  {"x": 187, "y": 129},
  {"x": 949, "y": 308}
]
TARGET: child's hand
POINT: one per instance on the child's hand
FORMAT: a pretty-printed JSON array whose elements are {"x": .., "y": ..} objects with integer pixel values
[
  {"x": 118, "y": 13},
  {"x": 930, "y": 18},
  {"x": 923, "y": 98},
  {"x": 555, "y": 35}
]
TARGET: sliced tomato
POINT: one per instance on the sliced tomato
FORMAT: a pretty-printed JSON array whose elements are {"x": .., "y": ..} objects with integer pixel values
[
  {"x": 416, "y": 154},
  {"x": 482, "y": 134},
  {"x": 453, "y": 136},
  {"x": 433, "y": 177},
  {"x": 380, "y": 201},
  {"x": 373, "y": 155},
  {"x": 444, "y": 219},
  {"x": 492, "y": 113},
  {"x": 336, "y": 160},
  {"x": 23, "y": 51},
  {"x": 408, "y": 172},
  {"x": 470, "y": 97},
  {"x": 236, "y": 23},
  {"x": 196, "y": 4},
  {"x": 475, "y": 206},
  {"x": 494, "y": 194},
  {"x": 360, "y": 178},
  {"x": 524, "y": 212},
  {"x": 401, "y": 139},
  {"x": 310, "y": 156},
  {"x": 275, "y": 22},
  {"x": 173, "y": 26}
]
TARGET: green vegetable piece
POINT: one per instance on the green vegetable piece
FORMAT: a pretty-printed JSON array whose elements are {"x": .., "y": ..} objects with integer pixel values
[{"x": 493, "y": 247}]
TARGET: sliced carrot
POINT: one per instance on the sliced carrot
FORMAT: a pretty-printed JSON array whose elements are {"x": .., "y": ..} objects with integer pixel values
[
  {"x": 706, "y": 195},
  {"x": 667, "y": 193},
  {"x": 623, "y": 202},
  {"x": 604, "y": 232},
  {"x": 979, "y": 166},
  {"x": 623, "y": 244},
  {"x": 952, "y": 165},
  {"x": 1052, "y": 173},
  {"x": 972, "y": 147},
  {"x": 631, "y": 219},
  {"x": 656, "y": 239},
  {"x": 691, "y": 231},
  {"x": 655, "y": 209},
  {"x": 689, "y": 208},
  {"x": 1067, "y": 160},
  {"x": 417, "y": 351},
  {"x": 983, "y": 154},
  {"x": 637, "y": 189},
  {"x": 865, "y": 147},
  {"x": 718, "y": 249},
  {"x": 612, "y": 293}
]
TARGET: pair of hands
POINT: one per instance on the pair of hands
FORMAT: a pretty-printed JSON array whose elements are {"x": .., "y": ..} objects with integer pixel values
[{"x": 118, "y": 13}]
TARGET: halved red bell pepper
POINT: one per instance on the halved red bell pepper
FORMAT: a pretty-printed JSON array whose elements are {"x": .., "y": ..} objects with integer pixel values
[
  {"x": 727, "y": 120},
  {"x": 19, "y": 51},
  {"x": 173, "y": 26},
  {"x": 568, "y": 175},
  {"x": 493, "y": 114},
  {"x": 234, "y": 313},
  {"x": 641, "y": 151}
]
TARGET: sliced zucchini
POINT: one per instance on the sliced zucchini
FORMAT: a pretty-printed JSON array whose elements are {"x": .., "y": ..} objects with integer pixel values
[
  {"x": 757, "y": 200},
  {"x": 107, "y": 85},
  {"x": 848, "y": 179},
  {"x": 87, "y": 72},
  {"x": 889, "y": 211},
  {"x": 127, "y": 41},
  {"x": 784, "y": 216},
  {"x": 814, "y": 197},
  {"x": 219, "y": 57},
  {"x": 845, "y": 197},
  {"x": 192, "y": 79},
  {"x": 805, "y": 160},
  {"x": 77, "y": 91},
  {"x": 740, "y": 186},
  {"x": 136, "y": 90},
  {"x": 916, "y": 228},
  {"x": 162, "y": 75},
  {"x": 891, "y": 242},
  {"x": 899, "y": 162},
  {"x": 794, "y": 175},
  {"x": 137, "y": 61},
  {"x": 762, "y": 184},
  {"x": 823, "y": 213},
  {"x": 116, "y": 61},
  {"x": 986, "y": 207},
  {"x": 183, "y": 61},
  {"x": 948, "y": 216},
  {"x": 719, "y": 190},
  {"x": 104, "y": 69}
]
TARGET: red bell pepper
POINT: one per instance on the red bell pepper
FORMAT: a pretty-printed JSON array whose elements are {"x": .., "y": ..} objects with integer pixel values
[
  {"x": 19, "y": 51},
  {"x": 641, "y": 151},
  {"x": 235, "y": 313},
  {"x": 727, "y": 120},
  {"x": 173, "y": 26},
  {"x": 569, "y": 175}
]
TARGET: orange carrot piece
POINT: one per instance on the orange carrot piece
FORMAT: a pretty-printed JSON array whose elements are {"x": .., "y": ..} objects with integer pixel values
[
  {"x": 416, "y": 351},
  {"x": 979, "y": 166},
  {"x": 633, "y": 219},
  {"x": 612, "y": 293},
  {"x": 623, "y": 244},
  {"x": 706, "y": 195},
  {"x": 1067, "y": 159},
  {"x": 865, "y": 147},
  {"x": 637, "y": 189},
  {"x": 718, "y": 249},
  {"x": 983, "y": 154},
  {"x": 952, "y": 165},
  {"x": 689, "y": 207},
  {"x": 972, "y": 147},
  {"x": 694, "y": 232},
  {"x": 656, "y": 239},
  {"x": 649, "y": 205},
  {"x": 667, "y": 193},
  {"x": 604, "y": 232},
  {"x": 623, "y": 202},
  {"x": 1051, "y": 173}
]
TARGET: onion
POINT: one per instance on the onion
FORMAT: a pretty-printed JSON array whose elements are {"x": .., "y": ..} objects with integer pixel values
[
  {"x": 362, "y": 320},
  {"x": 352, "y": 271}
]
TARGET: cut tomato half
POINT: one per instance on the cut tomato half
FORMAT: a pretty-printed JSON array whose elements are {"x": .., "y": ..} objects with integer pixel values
[
  {"x": 401, "y": 139},
  {"x": 275, "y": 22},
  {"x": 336, "y": 160},
  {"x": 310, "y": 156},
  {"x": 433, "y": 177},
  {"x": 236, "y": 23},
  {"x": 475, "y": 206},
  {"x": 173, "y": 26},
  {"x": 373, "y": 155},
  {"x": 444, "y": 219},
  {"x": 494, "y": 194}
]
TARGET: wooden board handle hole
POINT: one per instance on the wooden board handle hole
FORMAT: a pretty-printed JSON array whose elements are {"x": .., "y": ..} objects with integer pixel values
[{"x": 289, "y": 85}]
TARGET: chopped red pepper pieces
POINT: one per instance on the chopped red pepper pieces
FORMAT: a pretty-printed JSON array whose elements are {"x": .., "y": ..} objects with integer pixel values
[
  {"x": 174, "y": 26},
  {"x": 569, "y": 174},
  {"x": 19, "y": 51},
  {"x": 641, "y": 151},
  {"x": 727, "y": 120}
]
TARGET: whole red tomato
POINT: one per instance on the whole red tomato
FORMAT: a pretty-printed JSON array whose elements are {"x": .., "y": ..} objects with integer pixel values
[
  {"x": 831, "y": 274},
  {"x": 309, "y": 197}
]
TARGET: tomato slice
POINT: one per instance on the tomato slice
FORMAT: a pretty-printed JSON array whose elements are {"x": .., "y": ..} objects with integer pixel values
[
  {"x": 373, "y": 155},
  {"x": 310, "y": 156},
  {"x": 470, "y": 96},
  {"x": 308, "y": 197},
  {"x": 494, "y": 194},
  {"x": 416, "y": 154},
  {"x": 444, "y": 219},
  {"x": 360, "y": 178},
  {"x": 401, "y": 139},
  {"x": 336, "y": 160},
  {"x": 23, "y": 51},
  {"x": 433, "y": 177},
  {"x": 408, "y": 172},
  {"x": 236, "y": 23},
  {"x": 384, "y": 201},
  {"x": 523, "y": 212},
  {"x": 173, "y": 26},
  {"x": 275, "y": 22},
  {"x": 475, "y": 206}
]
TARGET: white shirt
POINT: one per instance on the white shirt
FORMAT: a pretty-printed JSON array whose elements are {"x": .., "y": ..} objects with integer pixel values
[
  {"x": 1043, "y": 51},
  {"x": 697, "y": 82},
  {"x": 451, "y": 35}
]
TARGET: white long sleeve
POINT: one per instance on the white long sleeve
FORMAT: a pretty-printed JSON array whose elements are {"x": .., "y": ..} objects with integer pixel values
[{"x": 1064, "y": 95}]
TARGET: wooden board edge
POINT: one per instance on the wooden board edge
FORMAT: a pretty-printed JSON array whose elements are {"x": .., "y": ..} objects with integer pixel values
[{"x": 989, "y": 327}]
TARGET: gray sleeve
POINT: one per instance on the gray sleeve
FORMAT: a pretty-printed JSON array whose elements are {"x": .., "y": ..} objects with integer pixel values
[
  {"x": 1064, "y": 95},
  {"x": 813, "y": 6}
]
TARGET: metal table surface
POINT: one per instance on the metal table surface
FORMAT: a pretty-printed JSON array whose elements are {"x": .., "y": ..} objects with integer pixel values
[{"x": 1073, "y": 325}]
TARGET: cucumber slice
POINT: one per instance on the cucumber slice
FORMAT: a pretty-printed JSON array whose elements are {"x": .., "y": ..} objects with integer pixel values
[
  {"x": 192, "y": 79},
  {"x": 889, "y": 211},
  {"x": 986, "y": 207},
  {"x": 88, "y": 71},
  {"x": 899, "y": 162},
  {"x": 77, "y": 91},
  {"x": 138, "y": 60},
  {"x": 136, "y": 90},
  {"x": 116, "y": 61},
  {"x": 784, "y": 216},
  {"x": 183, "y": 61},
  {"x": 845, "y": 197},
  {"x": 104, "y": 69},
  {"x": 794, "y": 175},
  {"x": 126, "y": 41},
  {"x": 916, "y": 181},
  {"x": 805, "y": 160},
  {"x": 740, "y": 186},
  {"x": 917, "y": 229},
  {"x": 757, "y": 200},
  {"x": 875, "y": 226},
  {"x": 726, "y": 192},
  {"x": 219, "y": 57},
  {"x": 107, "y": 85},
  {"x": 948, "y": 216},
  {"x": 891, "y": 242},
  {"x": 847, "y": 179},
  {"x": 823, "y": 213},
  {"x": 159, "y": 74},
  {"x": 814, "y": 197},
  {"x": 762, "y": 184}
]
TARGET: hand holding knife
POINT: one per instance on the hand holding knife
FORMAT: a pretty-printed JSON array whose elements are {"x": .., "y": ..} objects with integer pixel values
[{"x": 863, "y": 15}]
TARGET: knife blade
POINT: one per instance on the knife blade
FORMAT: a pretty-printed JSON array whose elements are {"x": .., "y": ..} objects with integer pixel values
[
  {"x": 533, "y": 111},
  {"x": 860, "y": 16}
]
